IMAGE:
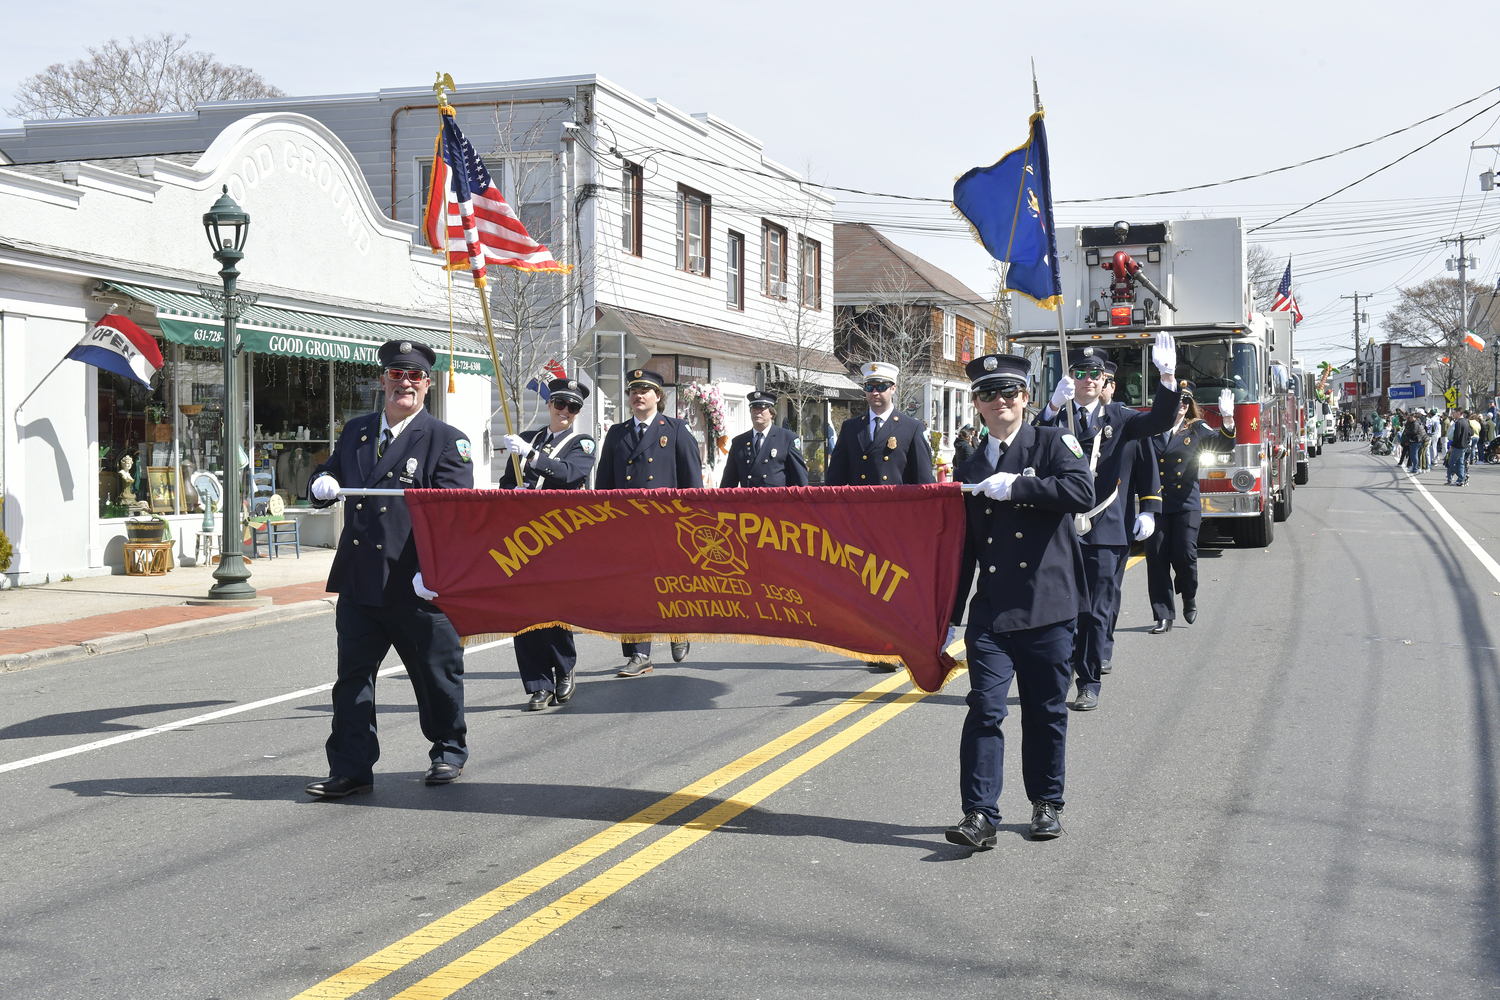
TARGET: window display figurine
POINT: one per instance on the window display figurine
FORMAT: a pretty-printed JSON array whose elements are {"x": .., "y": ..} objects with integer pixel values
[{"x": 127, "y": 476}]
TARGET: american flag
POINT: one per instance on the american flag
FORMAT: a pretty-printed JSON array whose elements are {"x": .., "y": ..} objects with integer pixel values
[
  {"x": 469, "y": 219},
  {"x": 1285, "y": 300}
]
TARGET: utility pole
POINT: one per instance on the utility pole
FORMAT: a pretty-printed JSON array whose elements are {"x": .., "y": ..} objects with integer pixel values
[
  {"x": 1462, "y": 265},
  {"x": 1359, "y": 361}
]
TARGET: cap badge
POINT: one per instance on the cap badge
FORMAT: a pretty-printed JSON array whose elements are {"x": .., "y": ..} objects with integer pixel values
[
  {"x": 636, "y": 373},
  {"x": 572, "y": 385},
  {"x": 990, "y": 364},
  {"x": 405, "y": 346}
]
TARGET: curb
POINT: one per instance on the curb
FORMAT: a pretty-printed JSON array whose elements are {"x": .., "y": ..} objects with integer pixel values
[{"x": 124, "y": 641}]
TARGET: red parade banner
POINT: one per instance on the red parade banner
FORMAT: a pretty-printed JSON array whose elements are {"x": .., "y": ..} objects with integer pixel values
[{"x": 864, "y": 571}]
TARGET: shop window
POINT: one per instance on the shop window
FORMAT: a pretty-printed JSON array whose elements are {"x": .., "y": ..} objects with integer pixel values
[
  {"x": 290, "y": 410},
  {"x": 135, "y": 427}
]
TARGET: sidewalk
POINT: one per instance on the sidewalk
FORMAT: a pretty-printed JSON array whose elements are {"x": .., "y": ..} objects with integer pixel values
[{"x": 79, "y": 618}]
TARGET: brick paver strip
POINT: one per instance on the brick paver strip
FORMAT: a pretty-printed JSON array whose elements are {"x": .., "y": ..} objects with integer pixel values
[{"x": 33, "y": 637}]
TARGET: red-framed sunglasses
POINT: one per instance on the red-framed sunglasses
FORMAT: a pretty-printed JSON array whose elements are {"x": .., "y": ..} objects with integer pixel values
[{"x": 405, "y": 374}]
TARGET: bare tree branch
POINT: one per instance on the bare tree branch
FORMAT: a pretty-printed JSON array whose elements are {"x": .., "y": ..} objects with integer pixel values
[{"x": 148, "y": 76}]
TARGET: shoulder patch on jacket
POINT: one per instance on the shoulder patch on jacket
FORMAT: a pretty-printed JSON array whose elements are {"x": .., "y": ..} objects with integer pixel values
[
  {"x": 587, "y": 444},
  {"x": 462, "y": 444},
  {"x": 1073, "y": 445}
]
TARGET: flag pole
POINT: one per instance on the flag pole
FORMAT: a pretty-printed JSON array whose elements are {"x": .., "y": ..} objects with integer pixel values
[
  {"x": 1062, "y": 330},
  {"x": 489, "y": 330}
]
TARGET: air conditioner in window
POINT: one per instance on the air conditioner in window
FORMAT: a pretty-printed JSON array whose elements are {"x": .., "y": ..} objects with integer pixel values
[
  {"x": 776, "y": 289},
  {"x": 696, "y": 265}
]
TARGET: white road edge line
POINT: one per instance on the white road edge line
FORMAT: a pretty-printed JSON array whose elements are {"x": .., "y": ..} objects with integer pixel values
[
  {"x": 16, "y": 765},
  {"x": 1463, "y": 536}
]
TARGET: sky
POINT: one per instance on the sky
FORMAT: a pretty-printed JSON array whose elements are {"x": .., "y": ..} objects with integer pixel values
[{"x": 901, "y": 98}]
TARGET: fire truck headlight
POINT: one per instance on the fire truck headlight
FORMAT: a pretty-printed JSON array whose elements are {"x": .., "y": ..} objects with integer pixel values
[{"x": 1244, "y": 480}]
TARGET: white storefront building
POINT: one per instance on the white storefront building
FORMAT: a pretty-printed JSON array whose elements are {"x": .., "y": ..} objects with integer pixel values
[{"x": 334, "y": 277}]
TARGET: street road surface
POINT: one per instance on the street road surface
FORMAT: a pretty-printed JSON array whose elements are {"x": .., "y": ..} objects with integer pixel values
[{"x": 1295, "y": 797}]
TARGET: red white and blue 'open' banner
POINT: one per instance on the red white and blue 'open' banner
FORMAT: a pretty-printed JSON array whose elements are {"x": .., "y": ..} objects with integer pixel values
[
  {"x": 467, "y": 217},
  {"x": 118, "y": 345}
]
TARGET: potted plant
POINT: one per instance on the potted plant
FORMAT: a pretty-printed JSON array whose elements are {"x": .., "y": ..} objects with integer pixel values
[
  {"x": 157, "y": 428},
  {"x": 147, "y": 527}
]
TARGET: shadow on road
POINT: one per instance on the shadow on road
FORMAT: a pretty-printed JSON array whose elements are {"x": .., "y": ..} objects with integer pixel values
[{"x": 94, "y": 721}]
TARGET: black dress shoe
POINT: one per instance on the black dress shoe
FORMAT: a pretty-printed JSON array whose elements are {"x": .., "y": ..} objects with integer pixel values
[
  {"x": 636, "y": 666},
  {"x": 1162, "y": 625},
  {"x": 1189, "y": 611},
  {"x": 539, "y": 700},
  {"x": 680, "y": 651},
  {"x": 1106, "y": 667},
  {"x": 1045, "y": 823},
  {"x": 335, "y": 787},
  {"x": 565, "y": 689},
  {"x": 1086, "y": 701},
  {"x": 442, "y": 773},
  {"x": 975, "y": 830}
]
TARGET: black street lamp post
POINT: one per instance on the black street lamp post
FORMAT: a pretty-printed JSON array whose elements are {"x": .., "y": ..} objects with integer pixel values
[{"x": 228, "y": 226}]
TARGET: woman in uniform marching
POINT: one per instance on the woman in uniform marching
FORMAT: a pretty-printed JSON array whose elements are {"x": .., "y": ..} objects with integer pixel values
[
  {"x": 1172, "y": 550},
  {"x": 555, "y": 457}
]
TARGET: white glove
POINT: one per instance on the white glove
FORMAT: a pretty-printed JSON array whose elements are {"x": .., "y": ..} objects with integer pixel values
[
  {"x": 1145, "y": 524},
  {"x": 1062, "y": 393},
  {"x": 1226, "y": 407},
  {"x": 1164, "y": 357},
  {"x": 325, "y": 487},
  {"x": 421, "y": 588},
  {"x": 516, "y": 445},
  {"x": 997, "y": 487},
  {"x": 952, "y": 636}
]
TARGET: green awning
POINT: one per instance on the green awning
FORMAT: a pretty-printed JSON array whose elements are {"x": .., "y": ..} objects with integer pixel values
[{"x": 189, "y": 319}]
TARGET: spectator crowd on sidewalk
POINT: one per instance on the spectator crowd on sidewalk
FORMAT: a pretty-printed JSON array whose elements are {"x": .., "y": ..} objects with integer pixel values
[{"x": 1419, "y": 439}]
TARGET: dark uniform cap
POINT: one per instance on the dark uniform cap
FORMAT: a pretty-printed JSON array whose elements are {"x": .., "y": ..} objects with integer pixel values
[
  {"x": 994, "y": 370},
  {"x": 1087, "y": 356},
  {"x": 568, "y": 389},
  {"x": 407, "y": 354},
  {"x": 645, "y": 376},
  {"x": 762, "y": 398}
]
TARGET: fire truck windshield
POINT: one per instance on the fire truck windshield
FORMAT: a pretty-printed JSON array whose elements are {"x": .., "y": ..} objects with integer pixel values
[{"x": 1216, "y": 365}]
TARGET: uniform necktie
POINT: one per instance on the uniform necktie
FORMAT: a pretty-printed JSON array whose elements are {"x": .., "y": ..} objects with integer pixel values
[
  {"x": 385, "y": 439},
  {"x": 759, "y": 440},
  {"x": 874, "y": 427}
]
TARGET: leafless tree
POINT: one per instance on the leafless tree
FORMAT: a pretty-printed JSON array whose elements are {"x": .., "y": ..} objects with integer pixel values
[
  {"x": 152, "y": 75},
  {"x": 1430, "y": 315},
  {"x": 897, "y": 328},
  {"x": 1264, "y": 270}
]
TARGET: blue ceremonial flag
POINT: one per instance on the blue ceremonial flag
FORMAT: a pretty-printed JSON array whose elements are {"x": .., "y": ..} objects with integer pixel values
[{"x": 1009, "y": 207}]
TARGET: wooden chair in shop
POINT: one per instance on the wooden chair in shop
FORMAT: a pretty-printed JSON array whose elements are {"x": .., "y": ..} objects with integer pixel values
[{"x": 273, "y": 530}]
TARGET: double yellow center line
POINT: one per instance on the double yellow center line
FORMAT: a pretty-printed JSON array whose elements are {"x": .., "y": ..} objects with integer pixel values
[{"x": 454, "y": 976}]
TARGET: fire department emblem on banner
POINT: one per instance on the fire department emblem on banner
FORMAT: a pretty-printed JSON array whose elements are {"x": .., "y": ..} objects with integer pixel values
[{"x": 712, "y": 546}]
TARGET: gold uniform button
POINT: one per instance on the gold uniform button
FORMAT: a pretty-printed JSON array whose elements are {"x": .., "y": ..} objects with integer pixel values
[
  {"x": 987, "y": 510},
  {"x": 1018, "y": 534},
  {"x": 364, "y": 437},
  {"x": 884, "y": 478},
  {"x": 359, "y": 506},
  {"x": 1023, "y": 565},
  {"x": 382, "y": 546},
  {"x": 989, "y": 541},
  {"x": 627, "y": 479},
  {"x": 356, "y": 541},
  {"x": 650, "y": 459},
  {"x": 382, "y": 510},
  {"x": 992, "y": 569},
  {"x": 389, "y": 475}
]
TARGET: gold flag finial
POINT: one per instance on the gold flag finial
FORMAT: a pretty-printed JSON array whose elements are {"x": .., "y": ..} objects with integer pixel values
[{"x": 444, "y": 82}]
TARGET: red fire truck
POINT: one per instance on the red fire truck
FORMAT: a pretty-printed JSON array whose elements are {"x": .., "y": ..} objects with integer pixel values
[{"x": 1122, "y": 284}]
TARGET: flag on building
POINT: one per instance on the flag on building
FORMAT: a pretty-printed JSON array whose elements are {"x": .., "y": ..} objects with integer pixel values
[
  {"x": 1473, "y": 341},
  {"x": 1009, "y": 207},
  {"x": 1285, "y": 301},
  {"x": 118, "y": 345},
  {"x": 468, "y": 218},
  {"x": 550, "y": 371}
]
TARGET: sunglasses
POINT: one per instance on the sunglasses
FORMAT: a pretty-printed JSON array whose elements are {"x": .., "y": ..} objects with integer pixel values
[
  {"x": 878, "y": 386},
  {"x": 1005, "y": 391},
  {"x": 413, "y": 375},
  {"x": 1091, "y": 373},
  {"x": 562, "y": 404}
]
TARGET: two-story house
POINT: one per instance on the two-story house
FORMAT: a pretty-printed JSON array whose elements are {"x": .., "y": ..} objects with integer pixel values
[{"x": 892, "y": 305}]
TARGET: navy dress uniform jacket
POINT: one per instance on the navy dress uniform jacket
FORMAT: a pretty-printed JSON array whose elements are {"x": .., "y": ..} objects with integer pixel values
[
  {"x": 377, "y": 555},
  {"x": 1025, "y": 549},
  {"x": 1119, "y": 424},
  {"x": 1177, "y": 463},
  {"x": 665, "y": 458},
  {"x": 779, "y": 462},
  {"x": 543, "y": 470},
  {"x": 900, "y": 456}
]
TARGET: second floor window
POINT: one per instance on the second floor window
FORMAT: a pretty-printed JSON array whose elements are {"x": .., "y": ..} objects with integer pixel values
[
  {"x": 630, "y": 209},
  {"x": 810, "y": 272},
  {"x": 692, "y": 231},
  {"x": 950, "y": 335},
  {"x": 773, "y": 252},
  {"x": 734, "y": 271}
]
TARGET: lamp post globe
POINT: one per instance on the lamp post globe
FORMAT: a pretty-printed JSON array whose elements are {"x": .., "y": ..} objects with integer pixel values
[{"x": 228, "y": 226}]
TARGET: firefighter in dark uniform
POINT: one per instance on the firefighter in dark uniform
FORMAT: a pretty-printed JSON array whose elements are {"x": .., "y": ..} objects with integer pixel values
[
  {"x": 382, "y": 602},
  {"x": 648, "y": 451},
  {"x": 1104, "y": 429},
  {"x": 765, "y": 455},
  {"x": 1020, "y": 540},
  {"x": 1144, "y": 498},
  {"x": 882, "y": 448},
  {"x": 556, "y": 457},
  {"x": 1173, "y": 549}
]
